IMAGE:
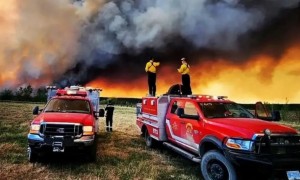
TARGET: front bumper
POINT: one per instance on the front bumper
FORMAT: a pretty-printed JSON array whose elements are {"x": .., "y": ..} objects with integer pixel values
[
  {"x": 264, "y": 161},
  {"x": 36, "y": 141}
]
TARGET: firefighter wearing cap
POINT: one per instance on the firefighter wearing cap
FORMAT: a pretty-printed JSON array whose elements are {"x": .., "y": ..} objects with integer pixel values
[
  {"x": 151, "y": 70},
  {"x": 184, "y": 70}
]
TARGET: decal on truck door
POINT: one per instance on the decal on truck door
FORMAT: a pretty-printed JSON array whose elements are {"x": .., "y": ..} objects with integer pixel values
[
  {"x": 189, "y": 132},
  {"x": 179, "y": 140}
]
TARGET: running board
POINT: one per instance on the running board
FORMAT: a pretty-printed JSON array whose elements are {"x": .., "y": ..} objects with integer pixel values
[{"x": 183, "y": 152}]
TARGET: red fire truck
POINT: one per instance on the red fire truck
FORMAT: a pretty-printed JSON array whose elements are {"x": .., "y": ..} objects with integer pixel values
[
  {"x": 219, "y": 134},
  {"x": 67, "y": 122}
]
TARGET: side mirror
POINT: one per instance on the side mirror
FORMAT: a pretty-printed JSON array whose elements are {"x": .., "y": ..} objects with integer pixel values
[
  {"x": 101, "y": 112},
  {"x": 276, "y": 116},
  {"x": 261, "y": 112},
  {"x": 138, "y": 109},
  {"x": 35, "y": 110}
]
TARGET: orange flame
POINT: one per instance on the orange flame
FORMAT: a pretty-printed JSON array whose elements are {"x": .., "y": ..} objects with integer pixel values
[{"x": 261, "y": 78}]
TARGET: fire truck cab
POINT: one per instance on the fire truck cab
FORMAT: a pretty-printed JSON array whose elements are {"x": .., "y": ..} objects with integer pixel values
[
  {"x": 219, "y": 134},
  {"x": 68, "y": 121}
]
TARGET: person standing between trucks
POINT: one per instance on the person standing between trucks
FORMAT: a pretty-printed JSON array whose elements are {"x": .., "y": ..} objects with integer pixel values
[
  {"x": 109, "y": 116},
  {"x": 184, "y": 70},
  {"x": 151, "y": 70}
]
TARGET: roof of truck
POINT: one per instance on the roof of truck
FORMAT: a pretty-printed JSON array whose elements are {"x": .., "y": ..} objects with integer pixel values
[
  {"x": 198, "y": 98},
  {"x": 206, "y": 98}
]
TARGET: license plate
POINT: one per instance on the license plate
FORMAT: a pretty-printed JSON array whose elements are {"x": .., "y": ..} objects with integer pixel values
[
  {"x": 58, "y": 149},
  {"x": 293, "y": 175}
]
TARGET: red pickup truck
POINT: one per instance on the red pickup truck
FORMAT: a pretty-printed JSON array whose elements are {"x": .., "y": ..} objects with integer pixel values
[
  {"x": 220, "y": 134},
  {"x": 68, "y": 121}
]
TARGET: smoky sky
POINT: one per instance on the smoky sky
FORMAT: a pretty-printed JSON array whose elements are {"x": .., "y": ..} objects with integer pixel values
[{"x": 117, "y": 40}]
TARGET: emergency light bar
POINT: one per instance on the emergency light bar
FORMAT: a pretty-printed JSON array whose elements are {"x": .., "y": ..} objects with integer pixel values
[
  {"x": 222, "y": 97},
  {"x": 71, "y": 92},
  {"x": 201, "y": 96},
  {"x": 50, "y": 87},
  {"x": 194, "y": 96},
  {"x": 93, "y": 89}
]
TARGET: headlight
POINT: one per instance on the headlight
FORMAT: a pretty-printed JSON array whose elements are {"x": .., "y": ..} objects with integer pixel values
[
  {"x": 240, "y": 144},
  {"x": 34, "y": 128},
  {"x": 88, "y": 130}
]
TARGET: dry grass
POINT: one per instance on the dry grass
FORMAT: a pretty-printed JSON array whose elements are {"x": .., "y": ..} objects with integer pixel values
[{"x": 121, "y": 154}]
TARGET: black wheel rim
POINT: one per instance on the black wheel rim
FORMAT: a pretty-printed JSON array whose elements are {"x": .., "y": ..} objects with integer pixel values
[{"x": 217, "y": 170}]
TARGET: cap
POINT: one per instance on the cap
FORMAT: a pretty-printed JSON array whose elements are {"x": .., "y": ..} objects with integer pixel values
[{"x": 183, "y": 59}]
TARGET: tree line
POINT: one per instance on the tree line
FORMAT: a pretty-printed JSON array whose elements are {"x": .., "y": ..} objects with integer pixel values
[
  {"x": 29, "y": 94},
  {"x": 40, "y": 95},
  {"x": 24, "y": 94}
]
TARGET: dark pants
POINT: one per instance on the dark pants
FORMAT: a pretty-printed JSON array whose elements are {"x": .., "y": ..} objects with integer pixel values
[
  {"x": 109, "y": 121},
  {"x": 152, "y": 83},
  {"x": 186, "y": 82}
]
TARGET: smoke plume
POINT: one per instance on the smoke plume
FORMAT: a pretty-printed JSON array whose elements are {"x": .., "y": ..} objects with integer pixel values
[{"x": 79, "y": 41}]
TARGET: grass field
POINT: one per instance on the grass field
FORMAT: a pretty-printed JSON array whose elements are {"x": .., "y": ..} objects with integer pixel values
[{"x": 121, "y": 154}]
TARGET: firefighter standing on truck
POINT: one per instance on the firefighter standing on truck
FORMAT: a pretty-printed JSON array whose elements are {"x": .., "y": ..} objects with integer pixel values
[
  {"x": 184, "y": 70},
  {"x": 151, "y": 70},
  {"x": 109, "y": 116}
]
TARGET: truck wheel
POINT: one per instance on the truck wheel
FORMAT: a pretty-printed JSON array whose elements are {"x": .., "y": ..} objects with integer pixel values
[
  {"x": 149, "y": 139},
  {"x": 214, "y": 166},
  {"x": 92, "y": 151},
  {"x": 32, "y": 156}
]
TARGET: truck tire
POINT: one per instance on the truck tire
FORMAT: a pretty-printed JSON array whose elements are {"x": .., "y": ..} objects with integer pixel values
[
  {"x": 149, "y": 140},
  {"x": 214, "y": 166},
  {"x": 92, "y": 151},
  {"x": 32, "y": 156}
]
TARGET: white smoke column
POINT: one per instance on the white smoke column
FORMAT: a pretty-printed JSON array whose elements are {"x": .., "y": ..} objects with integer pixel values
[{"x": 38, "y": 41}]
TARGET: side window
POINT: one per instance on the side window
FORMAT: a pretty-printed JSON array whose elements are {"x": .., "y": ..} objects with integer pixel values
[{"x": 190, "y": 109}]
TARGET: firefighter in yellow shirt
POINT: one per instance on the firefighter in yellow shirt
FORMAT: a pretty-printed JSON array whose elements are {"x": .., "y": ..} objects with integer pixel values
[
  {"x": 151, "y": 70},
  {"x": 184, "y": 70}
]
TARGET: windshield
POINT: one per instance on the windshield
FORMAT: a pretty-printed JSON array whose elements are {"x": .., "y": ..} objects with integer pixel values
[
  {"x": 68, "y": 105},
  {"x": 224, "y": 110}
]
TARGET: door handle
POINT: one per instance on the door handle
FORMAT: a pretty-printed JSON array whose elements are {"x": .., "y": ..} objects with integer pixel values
[{"x": 182, "y": 122}]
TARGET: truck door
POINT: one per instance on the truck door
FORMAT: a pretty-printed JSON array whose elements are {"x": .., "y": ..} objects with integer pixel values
[
  {"x": 190, "y": 126},
  {"x": 173, "y": 122}
]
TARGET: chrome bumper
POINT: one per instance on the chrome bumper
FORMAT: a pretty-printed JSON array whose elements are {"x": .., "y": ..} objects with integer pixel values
[{"x": 37, "y": 140}]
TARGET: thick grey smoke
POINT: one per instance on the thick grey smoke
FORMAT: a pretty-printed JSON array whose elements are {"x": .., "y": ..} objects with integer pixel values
[
  {"x": 66, "y": 41},
  {"x": 130, "y": 26}
]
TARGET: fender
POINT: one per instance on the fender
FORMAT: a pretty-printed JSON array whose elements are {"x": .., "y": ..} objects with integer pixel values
[{"x": 209, "y": 142}]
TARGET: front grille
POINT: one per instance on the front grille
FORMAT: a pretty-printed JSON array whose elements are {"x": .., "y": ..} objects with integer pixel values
[
  {"x": 277, "y": 144},
  {"x": 61, "y": 130}
]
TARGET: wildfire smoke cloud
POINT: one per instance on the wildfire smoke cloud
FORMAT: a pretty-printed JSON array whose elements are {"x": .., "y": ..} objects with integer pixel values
[{"x": 243, "y": 49}]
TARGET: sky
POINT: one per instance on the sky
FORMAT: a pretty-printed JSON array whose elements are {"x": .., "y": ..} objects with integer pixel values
[{"x": 246, "y": 50}]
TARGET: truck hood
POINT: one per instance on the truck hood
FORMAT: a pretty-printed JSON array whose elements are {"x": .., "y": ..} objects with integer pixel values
[
  {"x": 85, "y": 119},
  {"x": 245, "y": 127}
]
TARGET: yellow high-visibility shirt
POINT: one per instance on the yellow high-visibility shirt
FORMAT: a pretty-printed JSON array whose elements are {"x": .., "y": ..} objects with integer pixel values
[
  {"x": 151, "y": 66},
  {"x": 184, "y": 69}
]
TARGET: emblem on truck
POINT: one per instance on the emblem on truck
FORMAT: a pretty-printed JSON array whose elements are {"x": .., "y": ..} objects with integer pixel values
[{"x": 60, "y": 130}]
